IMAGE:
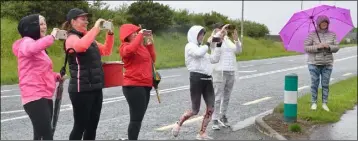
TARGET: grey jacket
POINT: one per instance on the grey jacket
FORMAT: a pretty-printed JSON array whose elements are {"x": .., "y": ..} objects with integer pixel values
[{"x": 321, "y": 56}]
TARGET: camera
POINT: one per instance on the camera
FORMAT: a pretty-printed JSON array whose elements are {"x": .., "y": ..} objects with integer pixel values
[
  {"x": 216, "y": 39},
  {"x": 61, "y": 35},
  {"x": 107, "y": 25},
  {"x": 147, "y": 32}
]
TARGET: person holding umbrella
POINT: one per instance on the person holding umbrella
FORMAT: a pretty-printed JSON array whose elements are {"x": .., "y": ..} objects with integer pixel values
[
  {"x": 320, "y": 45},
  {"x": 87, "y": 77},
  {"x": 138, "y": 56},
  {"x": 37, "y": 81},
  {"x": 317, "y": 32}
]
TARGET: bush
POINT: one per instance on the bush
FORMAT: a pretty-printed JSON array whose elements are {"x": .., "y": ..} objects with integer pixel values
[
  {"x": 54, "y": 11},
  {"x": 151, "y": 15}
]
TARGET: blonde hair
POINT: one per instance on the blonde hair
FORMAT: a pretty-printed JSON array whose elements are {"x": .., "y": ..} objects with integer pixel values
[{"x": 42, "y": 18}]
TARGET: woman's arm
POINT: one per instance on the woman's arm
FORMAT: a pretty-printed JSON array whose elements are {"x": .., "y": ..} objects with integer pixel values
[
  {"x": 82, "y": 44},
  {"x": 106, "y": 48},
  {"x": 131, "y": 48},
  {"x": 32, "y": 47}
]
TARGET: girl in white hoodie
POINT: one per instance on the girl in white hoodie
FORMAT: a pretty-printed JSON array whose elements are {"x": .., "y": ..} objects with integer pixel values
[
  {"x": 199, "y": 64},
  {"x": 224, "y": 73}
]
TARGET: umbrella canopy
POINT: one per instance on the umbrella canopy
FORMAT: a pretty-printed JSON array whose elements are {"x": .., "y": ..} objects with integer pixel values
[{"x": 296, "y": 30}]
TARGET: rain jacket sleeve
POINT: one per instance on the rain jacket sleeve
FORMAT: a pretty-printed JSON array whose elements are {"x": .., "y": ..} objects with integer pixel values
[
  {"x": 129, "y": 49},
  {"x": 82, "y": 44},
  {"x": 152, "y": 51},
  {"x": 334, "y": 47},
  {"x": 106, "y": 48},
  {"x": 309, "y": 47},
  {"x": 33, "y": 47}
]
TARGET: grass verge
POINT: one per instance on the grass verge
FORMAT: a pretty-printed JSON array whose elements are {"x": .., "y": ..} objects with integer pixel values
[{"x": 342, "y": 97}]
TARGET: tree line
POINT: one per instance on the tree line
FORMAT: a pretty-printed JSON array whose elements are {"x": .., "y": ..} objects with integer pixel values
[{"x": 151, "y": 15}]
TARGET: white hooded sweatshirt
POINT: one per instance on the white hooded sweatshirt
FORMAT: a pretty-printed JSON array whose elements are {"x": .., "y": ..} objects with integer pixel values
[{"x": 196, "y": 57}]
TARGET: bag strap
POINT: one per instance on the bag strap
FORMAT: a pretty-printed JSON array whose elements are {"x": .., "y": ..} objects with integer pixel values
[{"x": 63, "y": 69}]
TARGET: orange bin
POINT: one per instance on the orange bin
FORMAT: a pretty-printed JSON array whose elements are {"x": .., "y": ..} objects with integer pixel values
[{"x": 113, "y": 73}]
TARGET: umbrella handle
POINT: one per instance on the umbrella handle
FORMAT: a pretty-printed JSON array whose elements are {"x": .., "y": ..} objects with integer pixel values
[
  {"x": 156, "y": 90},
  {"x": 315, "y": 28}
]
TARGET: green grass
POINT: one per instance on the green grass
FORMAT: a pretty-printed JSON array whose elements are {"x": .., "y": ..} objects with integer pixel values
[
  {"x": 342, "y": 97},
  {"x": 347, "y": 45},
  {"x": 294, "y": 128},
  {"x": 169, "y": 49}
]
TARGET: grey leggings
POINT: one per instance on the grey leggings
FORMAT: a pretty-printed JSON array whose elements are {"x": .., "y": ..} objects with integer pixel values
[
  {"x": 317, "y": 71},
  {"x": 200, "y": 85}
]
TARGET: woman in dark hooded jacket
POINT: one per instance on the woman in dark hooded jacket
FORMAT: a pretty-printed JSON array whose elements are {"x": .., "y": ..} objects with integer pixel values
[{"x": 37, "y": 81}]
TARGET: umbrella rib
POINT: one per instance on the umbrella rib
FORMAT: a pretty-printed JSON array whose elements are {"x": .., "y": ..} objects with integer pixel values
[
  {"x": 293, "y": 21},
  {"x": 341, "y": 21},
  {"x": 296, "y": 30},
  {"x": 323, "y": 11}
]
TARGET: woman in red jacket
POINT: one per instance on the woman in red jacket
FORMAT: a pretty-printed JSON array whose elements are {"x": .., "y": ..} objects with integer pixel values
[{"x": 138, "y": 78}]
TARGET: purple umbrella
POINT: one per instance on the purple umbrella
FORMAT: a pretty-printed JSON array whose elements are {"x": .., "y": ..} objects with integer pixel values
[{"x": 294, "y": 33}]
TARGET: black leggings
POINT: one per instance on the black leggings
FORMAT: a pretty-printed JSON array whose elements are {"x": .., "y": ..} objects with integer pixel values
[
  {"x": 40, "y": 113},
  {"x": 87, "y": 108},
  {"x": 138, "y": 99}
]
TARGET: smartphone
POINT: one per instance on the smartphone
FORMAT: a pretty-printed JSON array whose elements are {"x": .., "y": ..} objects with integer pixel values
[
  {"x": 216, "y": 39},
  {"x": 147, "y": 32},
  {"x": 107, "y": 25},
  {"x": 61, "y": 35}
]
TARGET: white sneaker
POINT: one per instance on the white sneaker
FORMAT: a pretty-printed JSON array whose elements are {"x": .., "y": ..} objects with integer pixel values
[
  {"x": 203, "y": 136},
  {"x": 176, "y": 129},
  {"x": 314, "y": 106},
  {"x": 215, "y": 125},
  {"x": 325, "y": 107}
]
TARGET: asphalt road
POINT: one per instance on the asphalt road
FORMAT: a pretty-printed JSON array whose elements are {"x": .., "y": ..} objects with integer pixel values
[{"x": 258, "y": 89}]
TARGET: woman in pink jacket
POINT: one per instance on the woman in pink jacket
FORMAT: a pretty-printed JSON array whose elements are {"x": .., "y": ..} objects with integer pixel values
[{"x": 37, "y": 81}]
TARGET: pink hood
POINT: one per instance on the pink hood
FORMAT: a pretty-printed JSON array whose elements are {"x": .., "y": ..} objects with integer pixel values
[{"x": 36, "y": 77}]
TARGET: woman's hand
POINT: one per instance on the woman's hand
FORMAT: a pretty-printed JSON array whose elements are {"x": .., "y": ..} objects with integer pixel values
[
  {"x": 99, "y": 22},
  {"x": 112, "y": 28},
  {"x": 235, "y": 35},
  {"x": 150, "y": 40},
  {"x": 54, "y": 32}
]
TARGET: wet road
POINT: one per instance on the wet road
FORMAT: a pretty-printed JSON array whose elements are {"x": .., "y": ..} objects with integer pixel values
[
  {"x": 345, "y": 129},
  {"x": 259, "y": 88}
]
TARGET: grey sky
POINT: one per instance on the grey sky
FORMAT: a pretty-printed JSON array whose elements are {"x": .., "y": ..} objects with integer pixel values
[{"x": 274, "y": 14}]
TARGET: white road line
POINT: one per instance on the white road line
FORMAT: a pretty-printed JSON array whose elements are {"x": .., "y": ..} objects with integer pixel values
[
  {"x": 256, "y": 101},
  {"x": 7, "y": 96},
  {"x": 291, "y": 60},
  {"x": 171, "y": 76},
  {"x": 347, "y": 74},
  {"x": 8, "y": 90},
  {"x": 248, "y": 121},
  {"x": 186, "y": 122},
  {"x": 187, "y": 86},
  {"x": 247, "y": 66},
  {"x": 303, "y": 87},
  {"x": 248, "y": 71},
  {"x": 239, "y": 125},
  {"x": 269, "y": 63}
]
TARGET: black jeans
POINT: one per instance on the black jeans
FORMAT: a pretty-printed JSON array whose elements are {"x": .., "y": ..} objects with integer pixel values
[
  {"x": 138, "y": 99},
  {"x": 87, "y": 108},
  {"x": 40, "y": 113}
]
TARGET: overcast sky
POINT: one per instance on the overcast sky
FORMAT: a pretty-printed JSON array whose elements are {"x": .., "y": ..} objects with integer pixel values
[{"x": 274, "y": 14}]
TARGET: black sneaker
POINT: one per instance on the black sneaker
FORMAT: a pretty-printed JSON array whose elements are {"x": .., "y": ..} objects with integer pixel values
[
  {"x": 224, "y": 122},
  {"x": 215, "y": 125}
]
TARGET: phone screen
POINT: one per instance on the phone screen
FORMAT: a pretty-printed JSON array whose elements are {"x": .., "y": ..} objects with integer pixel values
[{"x": 216, "y": 39}]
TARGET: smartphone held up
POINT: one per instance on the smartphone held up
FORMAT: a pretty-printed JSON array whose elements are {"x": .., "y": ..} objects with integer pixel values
[{"x": 61, "y": 35}]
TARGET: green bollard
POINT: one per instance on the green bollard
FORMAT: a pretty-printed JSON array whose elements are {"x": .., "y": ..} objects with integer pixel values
[{"x": 290, "y": 98}]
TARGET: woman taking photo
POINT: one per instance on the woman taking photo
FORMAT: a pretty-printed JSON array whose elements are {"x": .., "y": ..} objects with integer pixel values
[
  {"x": 37, "y": 81},
  {"x": 87, "y": 77},
  {"x": 138, "y": 61}
]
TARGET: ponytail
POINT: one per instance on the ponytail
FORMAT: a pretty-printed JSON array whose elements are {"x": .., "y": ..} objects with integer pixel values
[{"x": 66, "y": 26}]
